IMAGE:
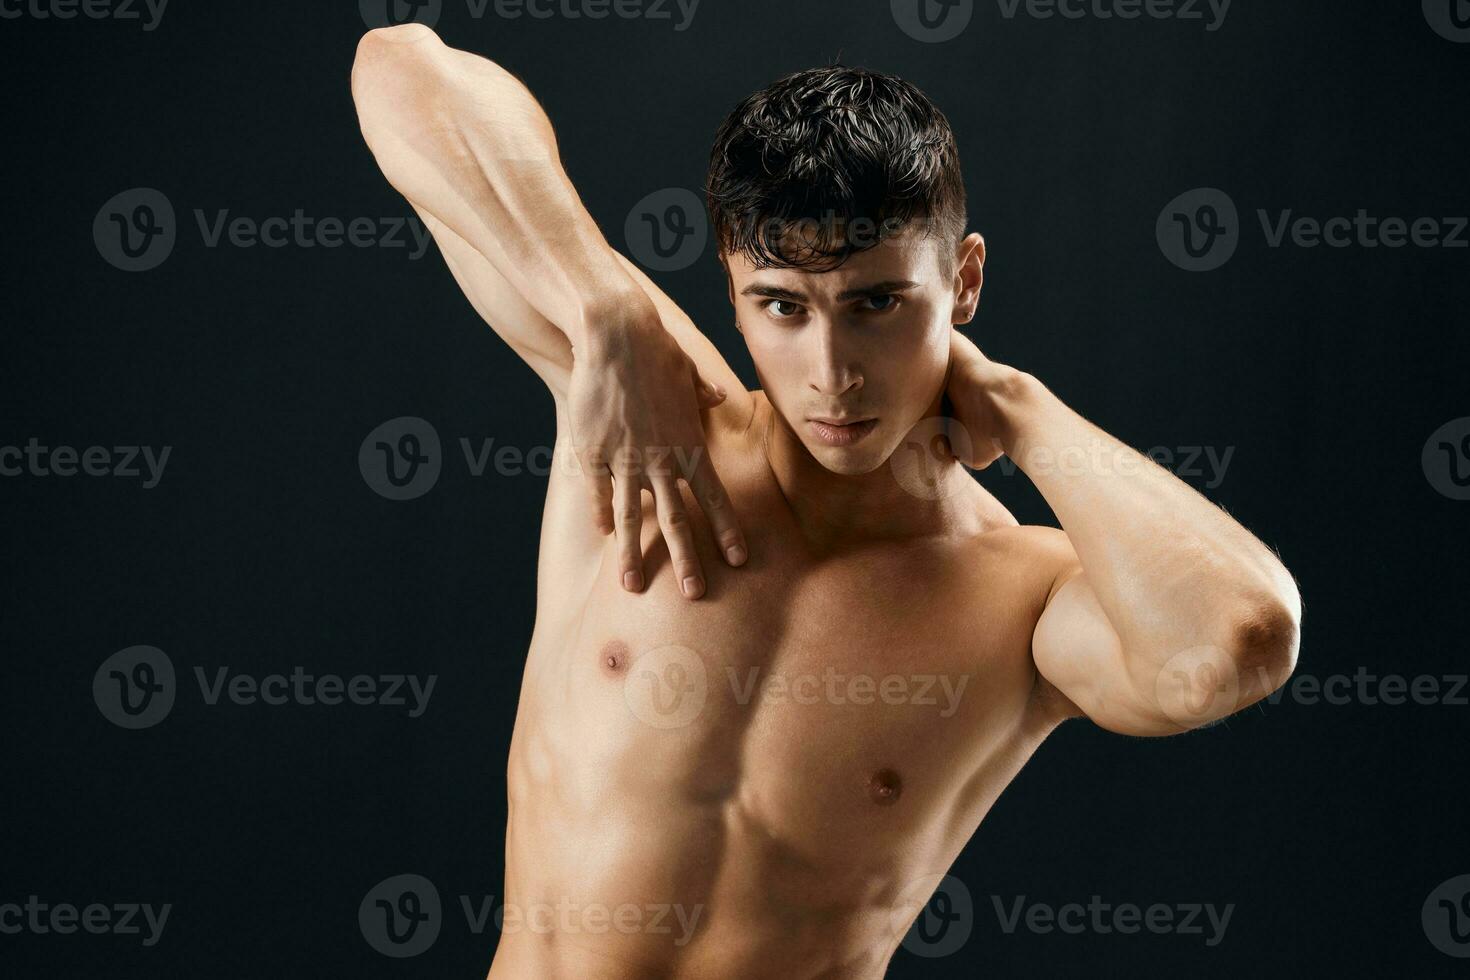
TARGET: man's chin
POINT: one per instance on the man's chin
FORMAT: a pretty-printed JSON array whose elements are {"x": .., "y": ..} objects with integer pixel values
[{"x": 858, "y": 460}]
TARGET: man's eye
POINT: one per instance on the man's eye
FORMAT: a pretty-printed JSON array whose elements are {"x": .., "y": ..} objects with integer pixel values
[
  {"x": 772, "y": 304},
  {"x": 886, "y": 302}
]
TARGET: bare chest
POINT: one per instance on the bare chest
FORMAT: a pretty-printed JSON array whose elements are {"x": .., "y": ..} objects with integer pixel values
[{"x": 826, "y": 703}]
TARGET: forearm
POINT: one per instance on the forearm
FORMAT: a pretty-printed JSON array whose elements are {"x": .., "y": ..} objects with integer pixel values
[
  {"x": 1170, "y": 569},
  {"x": 465, "y": 141}
]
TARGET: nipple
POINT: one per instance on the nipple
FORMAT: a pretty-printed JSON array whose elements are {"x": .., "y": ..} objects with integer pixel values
[
  {"x": 885, "y": 787},
  {"x": 613, "y": 656}
]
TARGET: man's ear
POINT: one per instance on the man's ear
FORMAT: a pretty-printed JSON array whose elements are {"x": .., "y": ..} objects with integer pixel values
[
  {"x": 729, "y": 281},
  {"x": 969, "y": 276},
  {"x": 730, "y": 289}
]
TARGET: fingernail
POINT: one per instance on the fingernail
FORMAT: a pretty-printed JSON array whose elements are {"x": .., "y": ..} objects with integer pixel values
[
  {"x": 735, "y": 554},
  {"x": 632, "y": 581},
  {"x": 691, "y": 585}
]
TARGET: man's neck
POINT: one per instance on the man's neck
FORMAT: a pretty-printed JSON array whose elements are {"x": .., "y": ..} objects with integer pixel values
[{"x": 837, "y": 512}]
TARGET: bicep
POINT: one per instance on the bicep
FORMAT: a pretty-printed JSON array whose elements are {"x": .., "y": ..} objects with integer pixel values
[{"x": 1077, "y": 650}]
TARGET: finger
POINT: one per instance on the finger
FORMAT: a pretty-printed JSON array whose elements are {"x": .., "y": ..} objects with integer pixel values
[
  {"x": 628, "y": 517},
  {"x": 705, "y": 483},
  {"x": 709, "y": 393},
  {"x": 673, "y": 520},
  {"x": 601, "y": 487}
]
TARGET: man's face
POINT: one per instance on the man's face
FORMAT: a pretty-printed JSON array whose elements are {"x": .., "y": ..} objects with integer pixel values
[{"x": 854, "y": 357}]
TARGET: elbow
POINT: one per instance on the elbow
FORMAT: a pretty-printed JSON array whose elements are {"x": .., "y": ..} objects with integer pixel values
[
  {"x": 387, "y": 62},
  {"x": 379, "y": 42},
  {"x": 1266, "y": 641}
]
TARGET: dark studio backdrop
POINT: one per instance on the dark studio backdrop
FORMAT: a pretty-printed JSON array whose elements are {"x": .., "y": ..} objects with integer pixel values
[{"x": 1130, "y": 177}]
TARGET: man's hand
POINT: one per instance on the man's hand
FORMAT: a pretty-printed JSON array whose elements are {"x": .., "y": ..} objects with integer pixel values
[
  {"x": 634, "y": 403},
  {"x": 975, "y": 391}
]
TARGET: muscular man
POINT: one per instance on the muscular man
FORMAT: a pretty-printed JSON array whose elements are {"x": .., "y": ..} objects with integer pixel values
[{"x": 753, "y": 732}]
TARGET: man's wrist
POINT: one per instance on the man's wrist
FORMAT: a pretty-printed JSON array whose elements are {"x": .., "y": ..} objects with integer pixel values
[
  {"x": 611, "y": 320},
  {"x": 1017, "y": 399}
]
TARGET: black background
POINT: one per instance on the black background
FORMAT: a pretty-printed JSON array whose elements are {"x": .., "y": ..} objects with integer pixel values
[{"x": 262, "y": 548}]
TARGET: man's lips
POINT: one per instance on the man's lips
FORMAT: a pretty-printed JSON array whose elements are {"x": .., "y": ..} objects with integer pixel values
[{"x": 837, "y": 430}]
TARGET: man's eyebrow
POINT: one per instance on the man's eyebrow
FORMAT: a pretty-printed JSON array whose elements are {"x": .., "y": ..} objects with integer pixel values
[{"x": 793, "y": 296}]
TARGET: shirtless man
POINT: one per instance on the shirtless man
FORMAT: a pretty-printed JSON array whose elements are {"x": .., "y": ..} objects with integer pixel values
[{"x": 754, "y": 732}]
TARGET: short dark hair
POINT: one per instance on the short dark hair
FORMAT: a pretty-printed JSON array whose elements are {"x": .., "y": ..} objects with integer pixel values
[{"x": 844, "y": 148}]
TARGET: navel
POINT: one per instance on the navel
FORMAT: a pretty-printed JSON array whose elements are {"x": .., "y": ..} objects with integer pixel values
[
  {"x": 613, "y": 656},
  {"x": 885, "y": 787}
]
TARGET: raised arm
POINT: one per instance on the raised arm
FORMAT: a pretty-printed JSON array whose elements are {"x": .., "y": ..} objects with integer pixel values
[
  {"x": 465, "y": 142},
  {"x": 1165, "y": 614}
]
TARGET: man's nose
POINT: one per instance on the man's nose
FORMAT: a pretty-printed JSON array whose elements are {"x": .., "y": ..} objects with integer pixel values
[{"x": 835, "y": 371}]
